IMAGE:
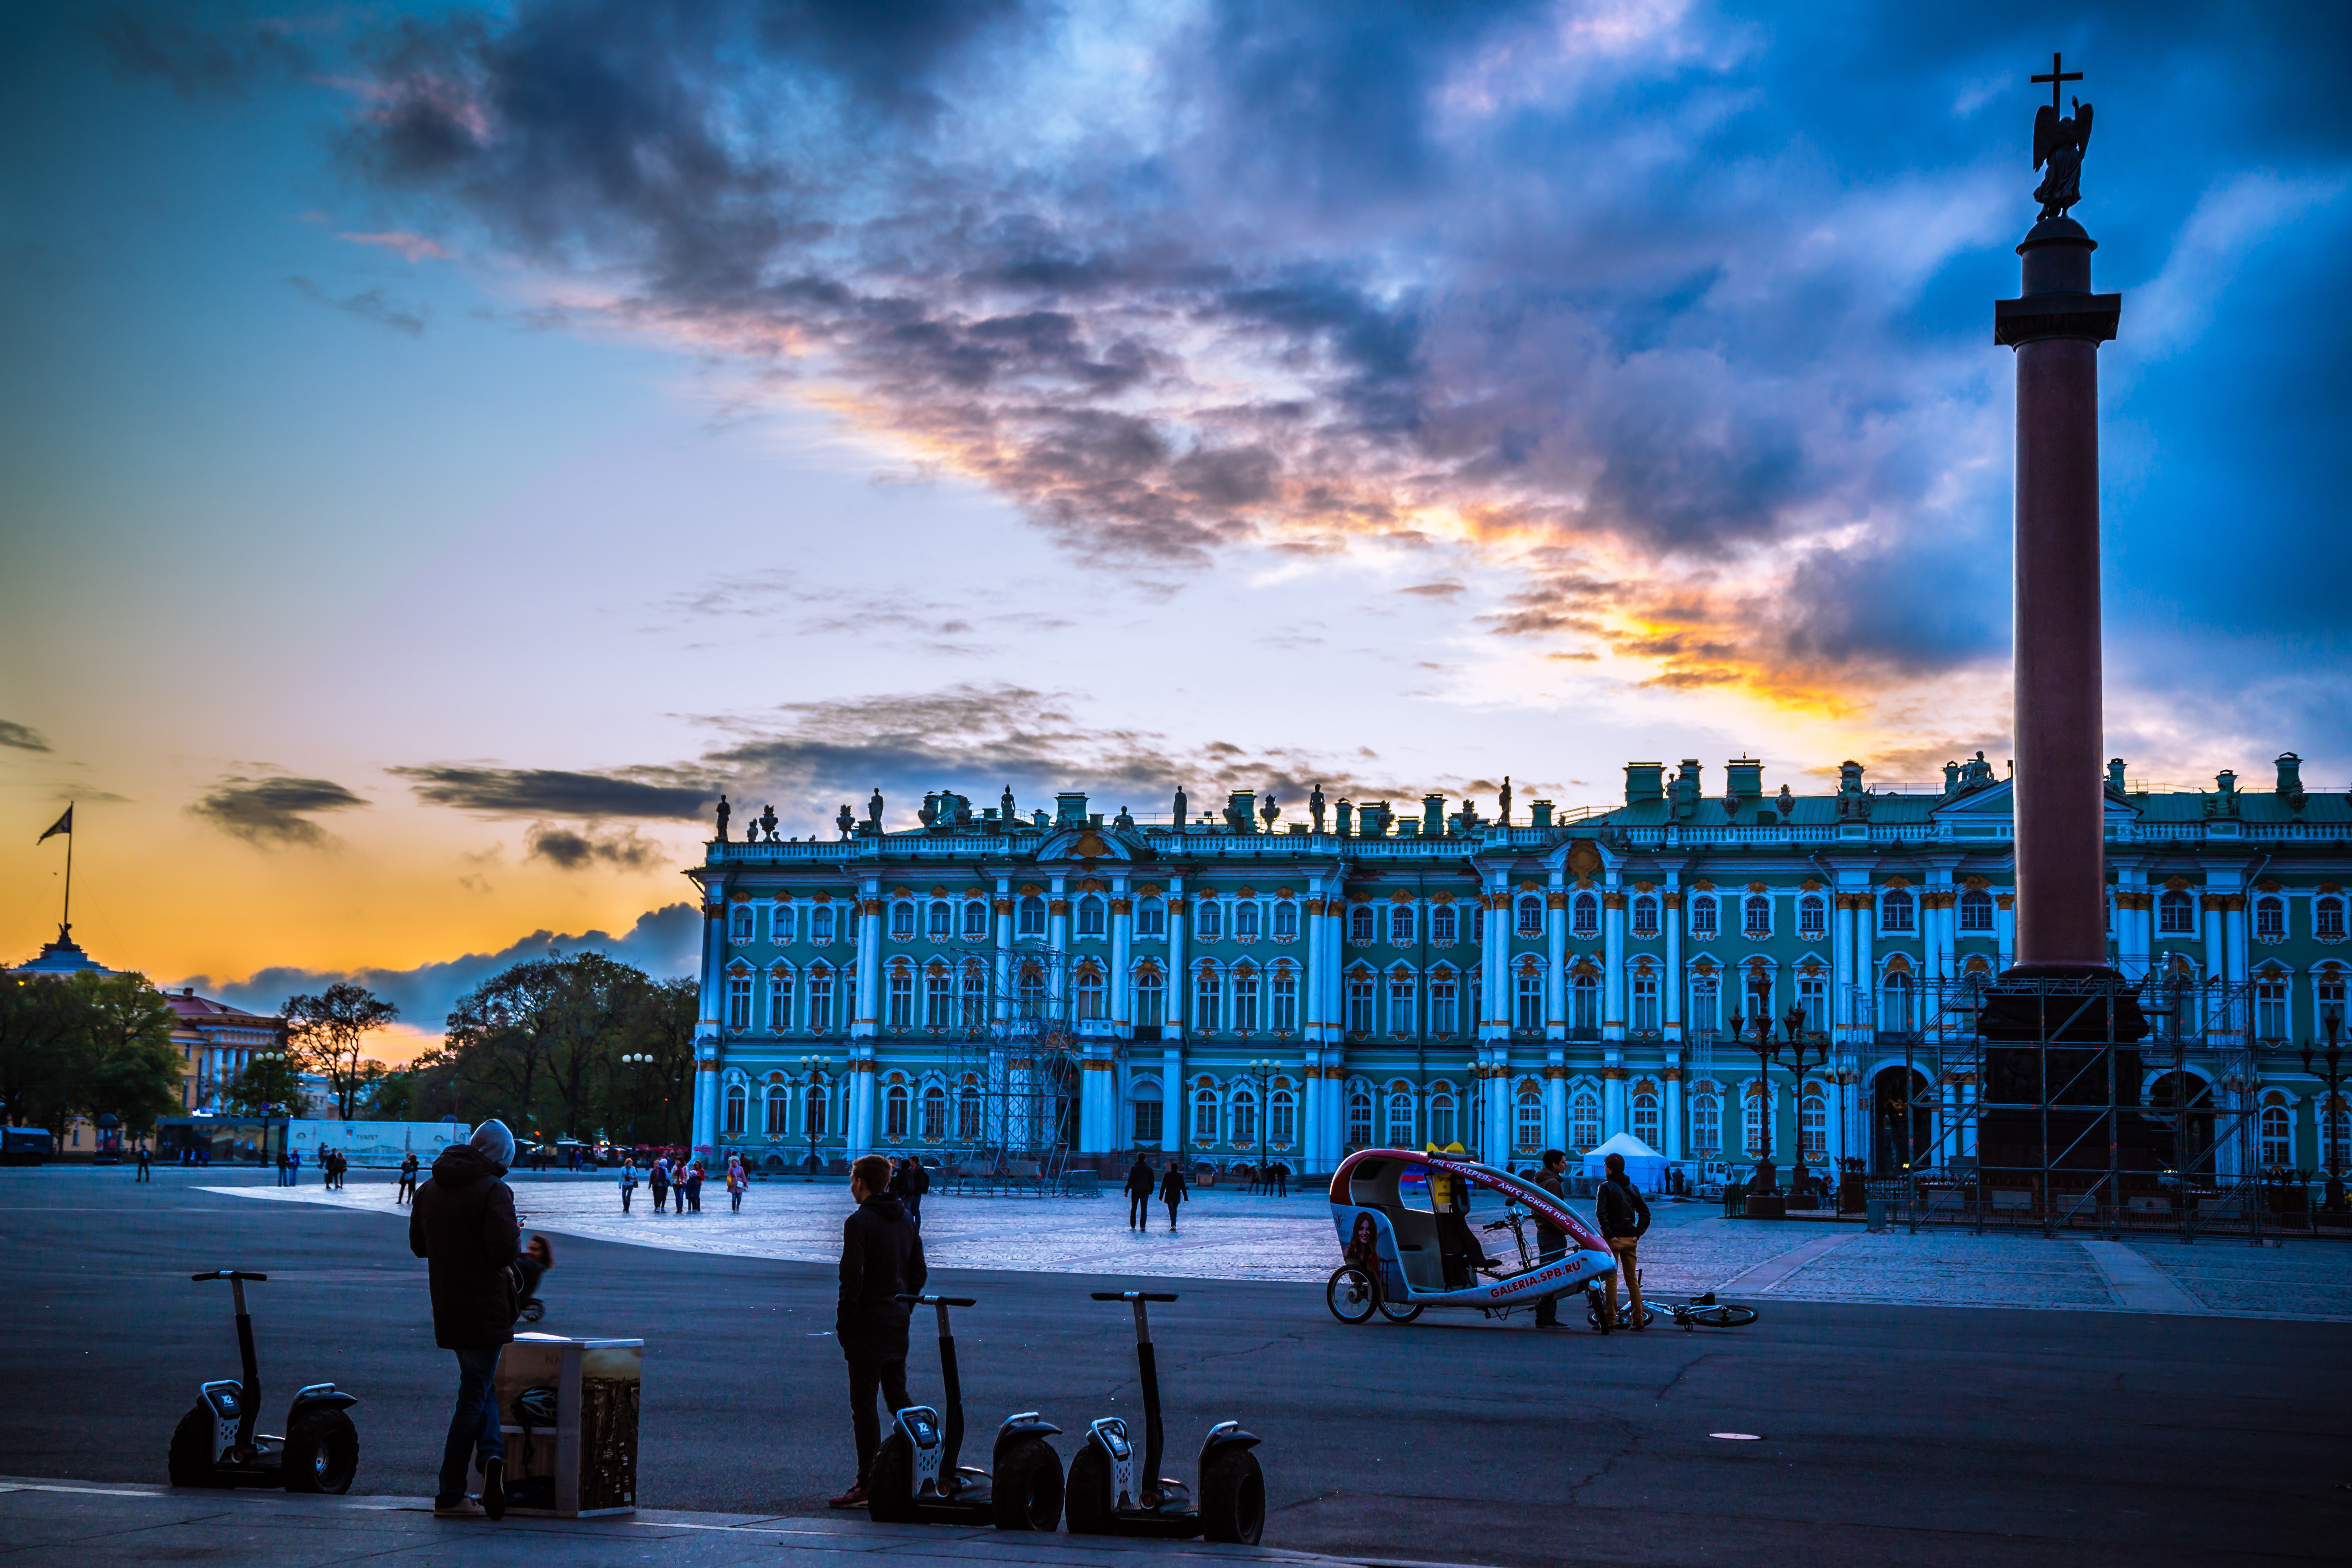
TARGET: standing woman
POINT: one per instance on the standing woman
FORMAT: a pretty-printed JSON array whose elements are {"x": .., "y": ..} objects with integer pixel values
[
  {"x": 694, "y": 1184},
  {"x": 628, "y": 1181},
  {"x": 408, "y": 1188},
  {"x": 736, "y": 1182},
  {"x": 1172, "y": 1190},
  {"x": 660, "y": 1182}
]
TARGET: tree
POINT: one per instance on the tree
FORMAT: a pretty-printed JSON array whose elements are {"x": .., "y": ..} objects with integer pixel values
[
  {"x": 128, "y": 1065},
  {"x": 269, "y": 1085},
  {"x": 42, "y": 1019},
  {"x": 326, "y": 1033}
]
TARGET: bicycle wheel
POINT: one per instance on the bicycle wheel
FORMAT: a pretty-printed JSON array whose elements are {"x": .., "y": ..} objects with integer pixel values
[
  {"x": 1725, "y": 1316},
  {"x": 1396, "y": 1315},
  {"x": 1350, "y": 1295}
]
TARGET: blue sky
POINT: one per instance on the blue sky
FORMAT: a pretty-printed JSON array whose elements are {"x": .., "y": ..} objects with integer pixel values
[{"x": 445, "y": 448}]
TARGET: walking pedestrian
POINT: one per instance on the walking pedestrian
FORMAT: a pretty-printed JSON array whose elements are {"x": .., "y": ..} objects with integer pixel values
[
  {"x": 659, "y": 1182},
  {"x": 406, "y": 1190},
  {"x": 1623, "y": 1216},
  {"x": 145, "y": 1173},
  {"x": 736, "y": 1182},
  {"x": 1173, "y": 1191},
  {"x": 1139, "y": 1194},
  {"x": 1281, "y": 1180},
  {"x": 463, "y": 1225},
  {"x": 910, "y": 1193},
  {"x": 1551, "y": 1242},
  {"x": 293, "y": 1167},
  {"x": 628, "y": 1183},
  {"x": 694, "y": 1184},
  {"x": 881, "y": 1259}
]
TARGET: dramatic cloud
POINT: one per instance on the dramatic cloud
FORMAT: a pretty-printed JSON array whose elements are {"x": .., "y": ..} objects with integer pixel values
[
  {"x": 576, "y": 851},
  {"x": 540, "y": 792},
  {"x": 273, "y": 812},
  {"x": 370, "y": 305},
  {"x": 22, "y": 736},
  {"x": 411, "y": 247}
]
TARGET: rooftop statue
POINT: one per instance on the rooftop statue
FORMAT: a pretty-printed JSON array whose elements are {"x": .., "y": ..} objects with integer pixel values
[
  {"x": 2059, "y": 145},
  {"x": 722, "y": 819}
]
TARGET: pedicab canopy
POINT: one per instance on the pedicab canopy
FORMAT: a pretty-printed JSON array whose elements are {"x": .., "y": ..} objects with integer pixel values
[{"x": 1644, "y": 1165}]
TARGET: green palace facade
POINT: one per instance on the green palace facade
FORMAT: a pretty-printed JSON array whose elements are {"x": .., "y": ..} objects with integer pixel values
[{"x": 1232, "y": 986}]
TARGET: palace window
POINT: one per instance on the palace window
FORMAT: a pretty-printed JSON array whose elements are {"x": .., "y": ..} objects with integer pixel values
[
  {"x": 1285, "y": 919},
  {"x": 1445, "y": 991},
  {"x": 1444, "y": 926},
  {"x": 902, "y": 997},
  {"x": 1150, "y": 918},
  {"x": 1149, "y": 1116},
  {"x": 1363, "y": 924},
  {"x": 894, "y": 1113},
  {"x": 738, "y": 1002},
  {"x": 1645, "y": 1118},
  {"x": 1029, "y": 917},
  {"x": 1584, "y": 1001},
  {"x": 1894, "y": 1011},
  {"x": 1975, "y": 910},
  {"x": 2269, "y": 919},
  {"x": 975, "y": 920},
  {"x": 1401, "y": 1002},
  {"x": 1030, "y": 988},
  {"x": 968, "y": 1113},
  {"x": 1440, "y": 1116},
  {"x": 738, "y": 923},
  {"x": 1151, "y": 999},
  {"x": 1205, "y": 1000},
  {"x": 1584, "y": 916},
  {"x": 1706, "y": 1124},
  {"x": 1243, "y": 1118},
  {"x": 1645, "y": 1001},
  {"x": 1361, "y": 995},
  {"x": 1813, "y": 1122},
  {"x": 975, "y": 998},
  {"x": 902, "y": 920},
  {"x": 2335, "y": 1134},
  {"x": 821, "y": 925},
  {"x": 1090, "y": 992},
  {"x": 935, "y": 1114},
  {"x": 820, "y": 1006},
  {"x": 1528, "y": 1017},
  {"x": 1281, "y": 1118},
  {"x": 2270, "y": 1005},
  {"x": 2328, "y": 994},
  {"x": 1246, "y": 1001},
  {"x": 1204, "y": 1116},
  {"x": 1400, "y": 1119},
  {"x": 938, "y": 997},
  {"x": 1360, "y": 1117},
  {"x": 1209, "y": 921},
  {"x": 2277, "y": 1137},
  {"x": 1702, "y": 917},
  {"x": 813, "y": 1110},
  {"x": 1527, "y": 1120},
  {"x": 1898, "y": 913},
  {"x": 739, "y": 1103},
  {"x": 1245, "y": 919},
  {"x": 941, "y": 924},
  {"x": 1705, "y": 1001},
  {"x": 1584, "y": 1119},
  {"x": 1284, "y": 992},
  {"x": 780, "y": 1109},
  {"x": 2175, "y": 913},
  {"x": 780, "y": 924},
  {"x": 1399, "y": 925},
  {"x": 1756, "y": 1108},
  {"x": 1531, "y": 912},
  {"x": 1813, "y": 996},
  {"x": 780, "y": 1002},
  {"x": 2327, "y": 917},
  {"x": 1093, "y": 915},
  {"x": 1755, "y": 917}
]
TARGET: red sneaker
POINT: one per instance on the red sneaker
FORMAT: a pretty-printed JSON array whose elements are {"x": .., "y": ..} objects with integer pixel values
[{"x": 854, "y": 1498}]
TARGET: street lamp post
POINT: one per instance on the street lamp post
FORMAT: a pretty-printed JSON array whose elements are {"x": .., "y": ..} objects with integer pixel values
[
  {"x": 2331, "y": 1020},
  {"x": 815, "y": 1068},
  {"x": 637, "y": 1062},
  {"x": 1764, "y": 1178},
  {"x": 1263, "y": 1070},
  {"x": 1793, "y": 1025},
  {"x": 270, "y": 1062}
]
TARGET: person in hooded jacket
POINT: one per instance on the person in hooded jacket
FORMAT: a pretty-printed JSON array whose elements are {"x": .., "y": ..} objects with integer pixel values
[
  {"x": 1173, "y": 1191},
  {"x": 1622, "y": 1215},
  {"x": 1138, "y": 1195},
  {"x": 463, "y": 1225},
  {"x": 881, "y": 1257}
]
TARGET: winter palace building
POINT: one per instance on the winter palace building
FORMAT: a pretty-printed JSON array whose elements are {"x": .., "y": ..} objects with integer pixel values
[{"x": 1226, "y": 983}]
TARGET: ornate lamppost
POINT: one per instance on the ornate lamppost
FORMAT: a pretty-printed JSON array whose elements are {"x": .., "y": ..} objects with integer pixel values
[
  {"x": 271, "y": 1064},
  {"x": 816, "y": 1068},
  {"x": 637, "y": 1062},
  {"x": 1794, "y": 1024},
  {"x": 1766, "y": 1176},
  {"x": 2331, "y": 1021}
]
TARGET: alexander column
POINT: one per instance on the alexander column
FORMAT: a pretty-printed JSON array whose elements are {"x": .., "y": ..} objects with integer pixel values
[{"x": 2056, "y": 328}]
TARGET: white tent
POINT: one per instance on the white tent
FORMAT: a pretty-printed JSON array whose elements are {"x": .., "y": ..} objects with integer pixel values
[{"x": 1644, "y": 1164}]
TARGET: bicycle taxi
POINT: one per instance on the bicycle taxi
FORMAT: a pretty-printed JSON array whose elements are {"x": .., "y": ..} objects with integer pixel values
[{"x": 1422, "y": 1230}]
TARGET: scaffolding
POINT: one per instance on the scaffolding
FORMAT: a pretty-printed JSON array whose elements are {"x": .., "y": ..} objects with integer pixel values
[
  {"x": 2024, "y": 1107},
  {"x": 1013, "y": 1078}
]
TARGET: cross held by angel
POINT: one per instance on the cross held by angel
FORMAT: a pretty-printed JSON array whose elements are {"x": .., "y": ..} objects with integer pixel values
[{"x": 2059, "y": 144}]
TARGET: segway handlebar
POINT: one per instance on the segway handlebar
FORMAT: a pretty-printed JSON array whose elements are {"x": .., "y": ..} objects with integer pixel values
[
  {"x": 939, "y": 1301},
  {"x": 1133, "y": 1295},
  {"x": 226, "y": 1274}
]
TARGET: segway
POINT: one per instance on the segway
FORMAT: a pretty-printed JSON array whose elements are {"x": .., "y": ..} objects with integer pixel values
[
  {"x": 1112, "y": 1492},
  {"x": 916, "y": 1479},
  {"x": 216, "y": 1444}
]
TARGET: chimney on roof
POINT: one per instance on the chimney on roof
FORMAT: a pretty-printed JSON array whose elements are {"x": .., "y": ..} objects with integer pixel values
[
  {"x": 1645, "y": 780},
  {"x": 1686, "y": 790},
  {"x": 2115, "y": 775},
  {"x": 1744, "y": 777},
  {"x": 2290, "y": 776},
  {"x": 1951, "y": 777},
  {"x": 187, "y": 991}
]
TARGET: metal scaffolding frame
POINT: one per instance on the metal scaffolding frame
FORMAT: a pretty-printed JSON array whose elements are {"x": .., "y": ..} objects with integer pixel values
[{"x": 1021, "y": 1064}]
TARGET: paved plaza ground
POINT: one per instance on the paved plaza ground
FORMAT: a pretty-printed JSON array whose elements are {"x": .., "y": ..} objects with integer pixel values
[{"x": 1885, "y": 1434}]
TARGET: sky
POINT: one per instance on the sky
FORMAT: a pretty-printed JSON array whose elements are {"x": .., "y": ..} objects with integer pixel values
[{"x": 441, "y": 449}]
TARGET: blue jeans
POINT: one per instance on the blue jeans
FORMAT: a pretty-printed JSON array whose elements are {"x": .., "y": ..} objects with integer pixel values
[{"x": 474, "y": 1423}]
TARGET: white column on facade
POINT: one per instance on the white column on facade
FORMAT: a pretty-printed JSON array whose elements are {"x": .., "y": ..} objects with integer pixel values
[
  {"x": 1671, "y": 1110},
  {"x": 1171, "y": 1097},
  {"x": 2242, "y": 967},
  {"x": 1121, "y": 999},
  {"x": 1612, "y": 1096},
  {"x": 1555, "y": 960},
  {"x": 1000, "y": 1004},
  {"x": 1335, "y": 1034},
  {"x": 1841, "y": 968},
  {"x": 860, "y": 1113},
  {"x": 1865, "y": 926},
  {"x": 704, "y": 1116},
  {"x": 1057, "y": 949},
  {"x": 1495, "y": 965},
  {"x": 1939, "y": 926},
  {"x": 2217, "y": 952},
  {"x": 1179, "y": 989},
  {"x": 2004, "y": 924},
  {"x": 1613, "y": 961},
  {"x": 1555, "y": 1098},
  {"x": 1312, "y": 1088},
  {"x": 1670, "y": 984}
]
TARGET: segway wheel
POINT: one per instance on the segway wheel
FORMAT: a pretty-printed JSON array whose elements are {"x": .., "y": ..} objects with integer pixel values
[
  {"x": 1350, "y": 1296},
  {"x": 190, "y": 1460},
  {"x": 1028, "y": 1487},
  {"x": 1087, "y": 1506},
  {"x": 1232, "y": 1498},
  {"x": 321, "y": 1453},
  {"x": 890, "y": 1484},
  {"x": 1396, "y": 1315}
]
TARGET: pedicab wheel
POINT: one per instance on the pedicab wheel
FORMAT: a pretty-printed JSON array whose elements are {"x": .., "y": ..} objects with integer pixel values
[
  {"x": 890, "y": 1484},
  {"x": 1028, "y": 1487},
  {"x": 190, "y": 1462},
  {"x": 1723, "y": 1317},
  {"x": 1396, "y": 1315},
  {"x": 1232, "y": 1498},
  {"x": 1349, "y": 1295},
  {"x": 321, "y": 1453},
  {"x": 1085, "y": 1502}
]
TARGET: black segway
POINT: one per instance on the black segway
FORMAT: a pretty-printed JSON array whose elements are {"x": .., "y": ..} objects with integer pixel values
[
  {"x": 216, "y": 1444},
  {"x": 916, "y": 1479},
  {"x": 1113, "y": 1491}
]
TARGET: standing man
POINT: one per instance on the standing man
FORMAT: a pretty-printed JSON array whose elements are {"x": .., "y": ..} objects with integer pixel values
[
  {"x": 1139, "y": 1194},
  {"x": 406, "y": 1190},
  {"x": 1551, "y": 1244},
  {"x": 463, "y": 1226},
  {"x": 1173, "y": 1191},
  {"x": 145, "y": 1173},
  {"x": 881, "y": 1257},
  {"x": 1623, "y": 1216}
]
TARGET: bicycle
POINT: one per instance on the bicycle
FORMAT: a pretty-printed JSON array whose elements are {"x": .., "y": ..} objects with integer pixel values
[{"x": 1698, "y": 1313}]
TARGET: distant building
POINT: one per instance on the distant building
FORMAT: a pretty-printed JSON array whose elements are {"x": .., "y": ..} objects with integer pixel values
[
  {"x": 62, "y": 957},
  {"x": 216, "y": 1043}
]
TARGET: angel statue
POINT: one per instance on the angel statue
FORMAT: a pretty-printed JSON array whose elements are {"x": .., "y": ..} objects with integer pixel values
[{"x": 2060, "y": 143}]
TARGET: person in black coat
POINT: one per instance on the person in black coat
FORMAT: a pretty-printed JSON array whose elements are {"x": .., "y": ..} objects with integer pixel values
[
  {"x": 1138, "y": 1195},
  {"x": 463, "y": 1225},
  {"x": 1172, "y": 1190},
  {"x": 881, "y": 1257},
  {"x": 1618, "y": 1208}
]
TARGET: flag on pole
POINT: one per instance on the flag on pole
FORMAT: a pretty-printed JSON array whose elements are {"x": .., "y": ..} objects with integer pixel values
[{"x": 63, "y": 825}]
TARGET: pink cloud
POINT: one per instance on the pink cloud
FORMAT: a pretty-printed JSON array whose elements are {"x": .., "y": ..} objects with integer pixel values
[{"x": 413, "y": 246}]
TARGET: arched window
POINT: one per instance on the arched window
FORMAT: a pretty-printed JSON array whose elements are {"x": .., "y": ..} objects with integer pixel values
[
  {"x": 1444, "y": 926},
  {"x": 935, "y": 1114},
  {"x": 901, "y": 1014},
  {"x": 738, "y": 1002},
  {"x": 1150, "y": 918},
  {"x": 2328, "y": 917},
  {"x": 1895, "y": 1010},
  {"x": 975, "y": 998},
  {"x": 2270, "y": 1005},
  {"x": 1401, "y": 925},
  {"x": 1702, "y": 917},
  {"x": 812, "y": 1109},
  {"x": 1245, "y": 1018},
  {"x": 1440, "y": 1116},
  {"x": 1645, "y": 1118},
  {"x": 1527, "y": 1120},
  {"x": 1444, "y": 1002},
  {"x": 2175, "y": 913},
  {"x": 894, "y": 1113},
  {"x": 1757, "y": 1107},
  {"x": 1527, "y": 1016},
  {"x": 967, "y": 1112},
  {"x": 780, "y": 924},
  {"x": 902, "y": 920},
  {"x": 1645, "y": 1000},
  {"x": 942, "y": 925},
  {"x": 1206, "y": 997},
  {"x": 1898, "y": 912},
  {"x": 1285, "y": 919},
  {"x": 975, "y": 920},
  {"x": 1584, "y": 1119},
  {"x": 1584, "y": 1002},
  {"x": 2269, "y": 919},
  {"x": 1209, "y": 921},
  {"x": 1090, "y": 992},
  {"x": 780, "y": 1002},
  {"x": 938, "y": 997},
  {"x": 1282, "y": 993},
  {"x": 1531, "y": 912},
  {"x": 1361, "y": 996},
  {"x": 1281, "y": 1118},
  {"x": 1243, "y": 1118},
  {"x": 738, "y": 923},
  {"x": 1755, "y": 917},
  {"x": 1813, "y": 1122},
  {"x": 2277, "y": 1137},
  {"x": 779, "y": 1110},
  {"x": 1646, "y": 916},
  {"x": 1706, "y": 1123},
  {"x": 1204, "y": 1116},
  {"x": 1151, "y": 999},
  {"x": 1402, "y": 988},
  {"x": 821, "y": 925},
  {"x": 1813, "y": 996},
  {"x": 1093, "y": 915},
  {"x": 1029, "y": 916},
  {"x": 1031, "y": 984},
  {"x": 739, "y": 1101},
  {"x": 1706, "y": 1000},
  {"x": 820, "y": 1002},
  {"x": 2327, "y": 994},
  {"x": 1400, "y": 1134},
  {"x": 2335, "y": 1134},
  {"x": 1245, "y": 919},
  {"x": 1976, "y": 910},
  {"x": 1363, "y": 924},
  {"x": 1584, "y": 916}
]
